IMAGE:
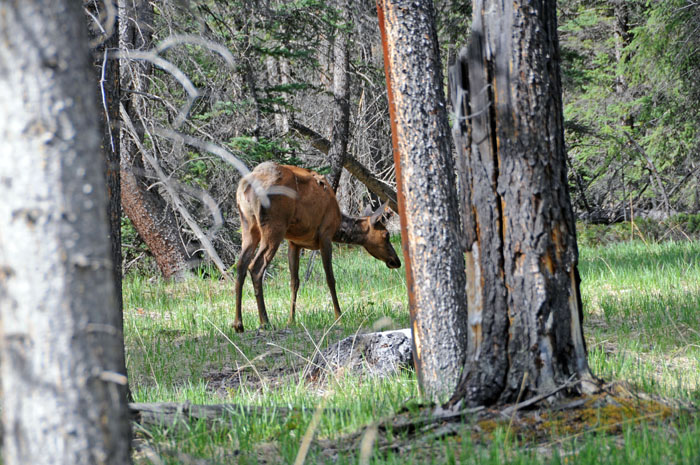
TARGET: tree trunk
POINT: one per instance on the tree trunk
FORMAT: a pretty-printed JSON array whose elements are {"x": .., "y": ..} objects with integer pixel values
[
  {"x": 341, "y": 97},
  {"x": 522, "y": 280},
  {"x": 278, "y": 75},
  {"x": 150, "y": 214},
  {"x": 622, "y": 40},
  {"x": 427, "y": 198},
  {"x": 63, "y": 396},
  {"x": 107, "y": 73}
]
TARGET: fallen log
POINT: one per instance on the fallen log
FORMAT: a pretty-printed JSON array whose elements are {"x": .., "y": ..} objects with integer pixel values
[{"x": 168, "y": 413}]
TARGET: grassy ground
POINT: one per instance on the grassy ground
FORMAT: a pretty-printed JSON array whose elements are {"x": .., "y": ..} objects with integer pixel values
[{"x": 642, "y": 325}]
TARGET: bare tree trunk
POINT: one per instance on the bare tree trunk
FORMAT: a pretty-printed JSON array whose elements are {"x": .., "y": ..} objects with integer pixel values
[
  {"x": 427, "y": 199},
  {"x": 106, "y": 36},
  {"x": 278, "y": 74},
  {"x": 62, "y": 352},
  {"x": 150, "y": 214},
  {"x": 341, "y": 97},
  {"x": 524, "y": 301}
]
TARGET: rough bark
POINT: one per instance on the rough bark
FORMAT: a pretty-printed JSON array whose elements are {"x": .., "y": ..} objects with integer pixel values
[
  {"x": 63, "y": 396},
  {"x": 524, "y": 301},
  {"x": 427, "y": 198},
  {"x": 354, "y": 167},
  {"x": 341, "y": 97},
  {"x": 153, "y": 219},
  {"x": 150, "y": 214},
  {"x": 106, "y": 38}
]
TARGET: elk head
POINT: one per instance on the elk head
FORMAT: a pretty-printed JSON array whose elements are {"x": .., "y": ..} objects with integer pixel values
[{"x": 376, "y": 240}]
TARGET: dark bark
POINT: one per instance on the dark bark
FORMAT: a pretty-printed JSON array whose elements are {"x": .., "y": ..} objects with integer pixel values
[
  {"x": 62, "y": 351},
  {"x": 152, "y": 217},
  {"x": 354, "y": 167},
  {"x": 107, "y": 74},
  {"x": 524, "y": 300},
  {"x": 427, "y": 199},
  {"x": 623, "y": 36}
]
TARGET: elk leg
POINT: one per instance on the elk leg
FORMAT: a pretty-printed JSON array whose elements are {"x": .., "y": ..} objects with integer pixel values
[
  {"x": 327, "y": 259},
  {"x": 250, "y": 239},
  {"x": 293, "y": 256},
  {"x": 266, "y": 252}
]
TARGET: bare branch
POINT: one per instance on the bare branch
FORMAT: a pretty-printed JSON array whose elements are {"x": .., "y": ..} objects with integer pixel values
[
  {"x": 105, "y": 22},
  {"x": 192, "y": 92},
  {"x": 196, "y": 40},
  {"x": 167, "y": 184}
]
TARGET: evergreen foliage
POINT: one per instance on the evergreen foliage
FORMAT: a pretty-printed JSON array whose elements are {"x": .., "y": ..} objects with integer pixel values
[{"x": 631, "y": 89}]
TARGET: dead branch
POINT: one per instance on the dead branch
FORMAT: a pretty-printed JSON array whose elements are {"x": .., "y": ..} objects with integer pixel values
[
  {"x": 169, "y": 413},
  {"x": 201, "y": 236}
]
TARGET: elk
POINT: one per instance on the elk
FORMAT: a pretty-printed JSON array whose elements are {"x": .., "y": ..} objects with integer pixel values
[{"x": 302, "y": 209}]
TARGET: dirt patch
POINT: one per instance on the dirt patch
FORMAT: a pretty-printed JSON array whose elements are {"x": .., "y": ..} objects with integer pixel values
[
  {"x": 226, "y": 381},
  {"x": 274, "y": 359}
]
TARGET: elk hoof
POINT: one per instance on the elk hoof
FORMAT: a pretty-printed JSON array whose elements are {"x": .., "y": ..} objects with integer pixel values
[
  {"x": 266, "y": 327},
  {"x": 237, "y": 326}
]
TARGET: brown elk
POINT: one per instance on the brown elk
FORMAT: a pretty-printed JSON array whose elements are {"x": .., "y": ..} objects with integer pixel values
[{"x": 302, "y": 208}]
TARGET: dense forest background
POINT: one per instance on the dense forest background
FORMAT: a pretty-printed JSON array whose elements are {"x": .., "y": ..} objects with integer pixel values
[{"x": 631, "y": 80}]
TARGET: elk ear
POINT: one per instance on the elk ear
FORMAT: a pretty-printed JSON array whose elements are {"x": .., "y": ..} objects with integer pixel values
[{"x": 378, "y": 213}]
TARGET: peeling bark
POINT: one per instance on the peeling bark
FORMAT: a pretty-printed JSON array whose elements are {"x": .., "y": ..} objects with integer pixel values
[
  {"x": 524, "y": 300},
  {"x": 427, "y": 198}
]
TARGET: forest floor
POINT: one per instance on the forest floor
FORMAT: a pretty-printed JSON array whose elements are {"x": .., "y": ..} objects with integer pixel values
[{"x": 641, "y": 301}]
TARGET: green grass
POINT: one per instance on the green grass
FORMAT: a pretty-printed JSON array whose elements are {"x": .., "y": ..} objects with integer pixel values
[
  {"x": 643, "y": 315},
  {"x": 642, "y": 304}
]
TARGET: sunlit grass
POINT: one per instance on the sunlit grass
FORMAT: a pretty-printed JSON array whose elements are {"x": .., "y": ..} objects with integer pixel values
[
  {"x": 642, "y": 324},
  {"x": 643, "y": 315}
]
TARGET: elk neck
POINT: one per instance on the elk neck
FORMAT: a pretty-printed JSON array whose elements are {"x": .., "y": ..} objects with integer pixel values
[{"x": 350, "y": 231}]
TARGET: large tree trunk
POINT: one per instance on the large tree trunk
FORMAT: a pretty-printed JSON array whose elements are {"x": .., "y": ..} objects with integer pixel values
[
  {"x": 150, "y": 214},
  {"x": 524, "y": 301},
  {"x": 426, "y": 191},
  {"x": 63, "y": 396}
]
